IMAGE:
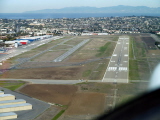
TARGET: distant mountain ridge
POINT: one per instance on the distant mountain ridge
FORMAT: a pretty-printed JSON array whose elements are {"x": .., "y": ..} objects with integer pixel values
[{"x": 114, "y": 9}]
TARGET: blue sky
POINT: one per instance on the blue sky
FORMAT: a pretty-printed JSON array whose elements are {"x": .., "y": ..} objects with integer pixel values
[{"x": 18, "y": 6}]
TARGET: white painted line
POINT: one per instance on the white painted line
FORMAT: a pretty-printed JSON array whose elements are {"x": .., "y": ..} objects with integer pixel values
[
  {"x": 128, "y": 61},
  {"x": 110, "y": 61},
  {"x": 114, "y": 55}
]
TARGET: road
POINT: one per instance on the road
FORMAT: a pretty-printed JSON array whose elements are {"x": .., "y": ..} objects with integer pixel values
[
  {"x": 46, "y": 81},
  {"x": 117, "y": 70}
]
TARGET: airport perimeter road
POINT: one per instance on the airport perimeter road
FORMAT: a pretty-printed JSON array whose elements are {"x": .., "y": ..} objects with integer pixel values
[
  {"x": 118, "y": 67},
  {"x": 46, "y": 81}
]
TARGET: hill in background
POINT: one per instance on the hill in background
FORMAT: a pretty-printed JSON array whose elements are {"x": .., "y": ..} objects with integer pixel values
[{"x": 114, "y": 9}]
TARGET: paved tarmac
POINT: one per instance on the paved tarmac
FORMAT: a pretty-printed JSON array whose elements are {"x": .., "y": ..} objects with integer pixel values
[
  {"x": 117, "y": 70},
  {"x": 46, "y": 81}
]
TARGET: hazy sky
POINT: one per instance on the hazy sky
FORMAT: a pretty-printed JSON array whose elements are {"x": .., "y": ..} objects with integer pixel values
[{"x": 18, "y": 6}]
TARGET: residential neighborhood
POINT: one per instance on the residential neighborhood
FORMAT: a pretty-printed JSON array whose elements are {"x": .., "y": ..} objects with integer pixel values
[{"x": 11, "y": 29}]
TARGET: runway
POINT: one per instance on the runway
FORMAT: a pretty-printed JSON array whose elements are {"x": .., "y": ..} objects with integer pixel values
[{"x": 118, "y": 67}]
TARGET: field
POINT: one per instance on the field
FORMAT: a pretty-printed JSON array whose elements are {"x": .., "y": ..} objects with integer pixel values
[
  {"x": 144, "y": 56},
  {"x": 85, "y": 100},
  {"x": 76, "y": 101},
  {"x": 86, "y": 105},
  {"x": 88, "y": 62},
  {"x": 150, "y": 42},
  {"x": 12, "y": 85},
  {"x": 51, "y": 93}
]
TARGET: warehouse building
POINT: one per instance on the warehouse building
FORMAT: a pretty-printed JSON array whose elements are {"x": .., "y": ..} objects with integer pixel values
[
  {"x": 1, "y": 92},
  {"x": 4, "y": 97},
  {"x": 8, "y": 104},
  {"x": 11, "y": 102},
  {"x": 8, "y": 115},
  {"x": 15, "y": 107}
]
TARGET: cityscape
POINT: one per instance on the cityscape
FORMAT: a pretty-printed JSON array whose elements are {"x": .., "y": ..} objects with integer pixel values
[{"x": 14, "y": 28}]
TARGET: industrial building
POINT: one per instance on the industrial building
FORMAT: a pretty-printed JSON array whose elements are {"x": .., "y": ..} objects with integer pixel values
[
  {"x": 11, "y": 102},
  {"x": 8, "y": 115},
  {"x": 15, "y": 107},
  {"x": 25, "y": 41},
  {"x": 1, "y": 92},
  {"x": 4, "y": 97},
  {"x": 8, "y": 104}
]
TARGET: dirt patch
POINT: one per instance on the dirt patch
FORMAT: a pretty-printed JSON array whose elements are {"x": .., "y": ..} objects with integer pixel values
[
  {"x": 66, "y": 72},
  {"x": 60, "y": 94},
  {"x": 58, "y": 73},
  {"x": 85, "y": 100},
  {"x": 86, "y": 103},
  {"x": 82, "y": 103},
  {"x": 154, "y": 52}
]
